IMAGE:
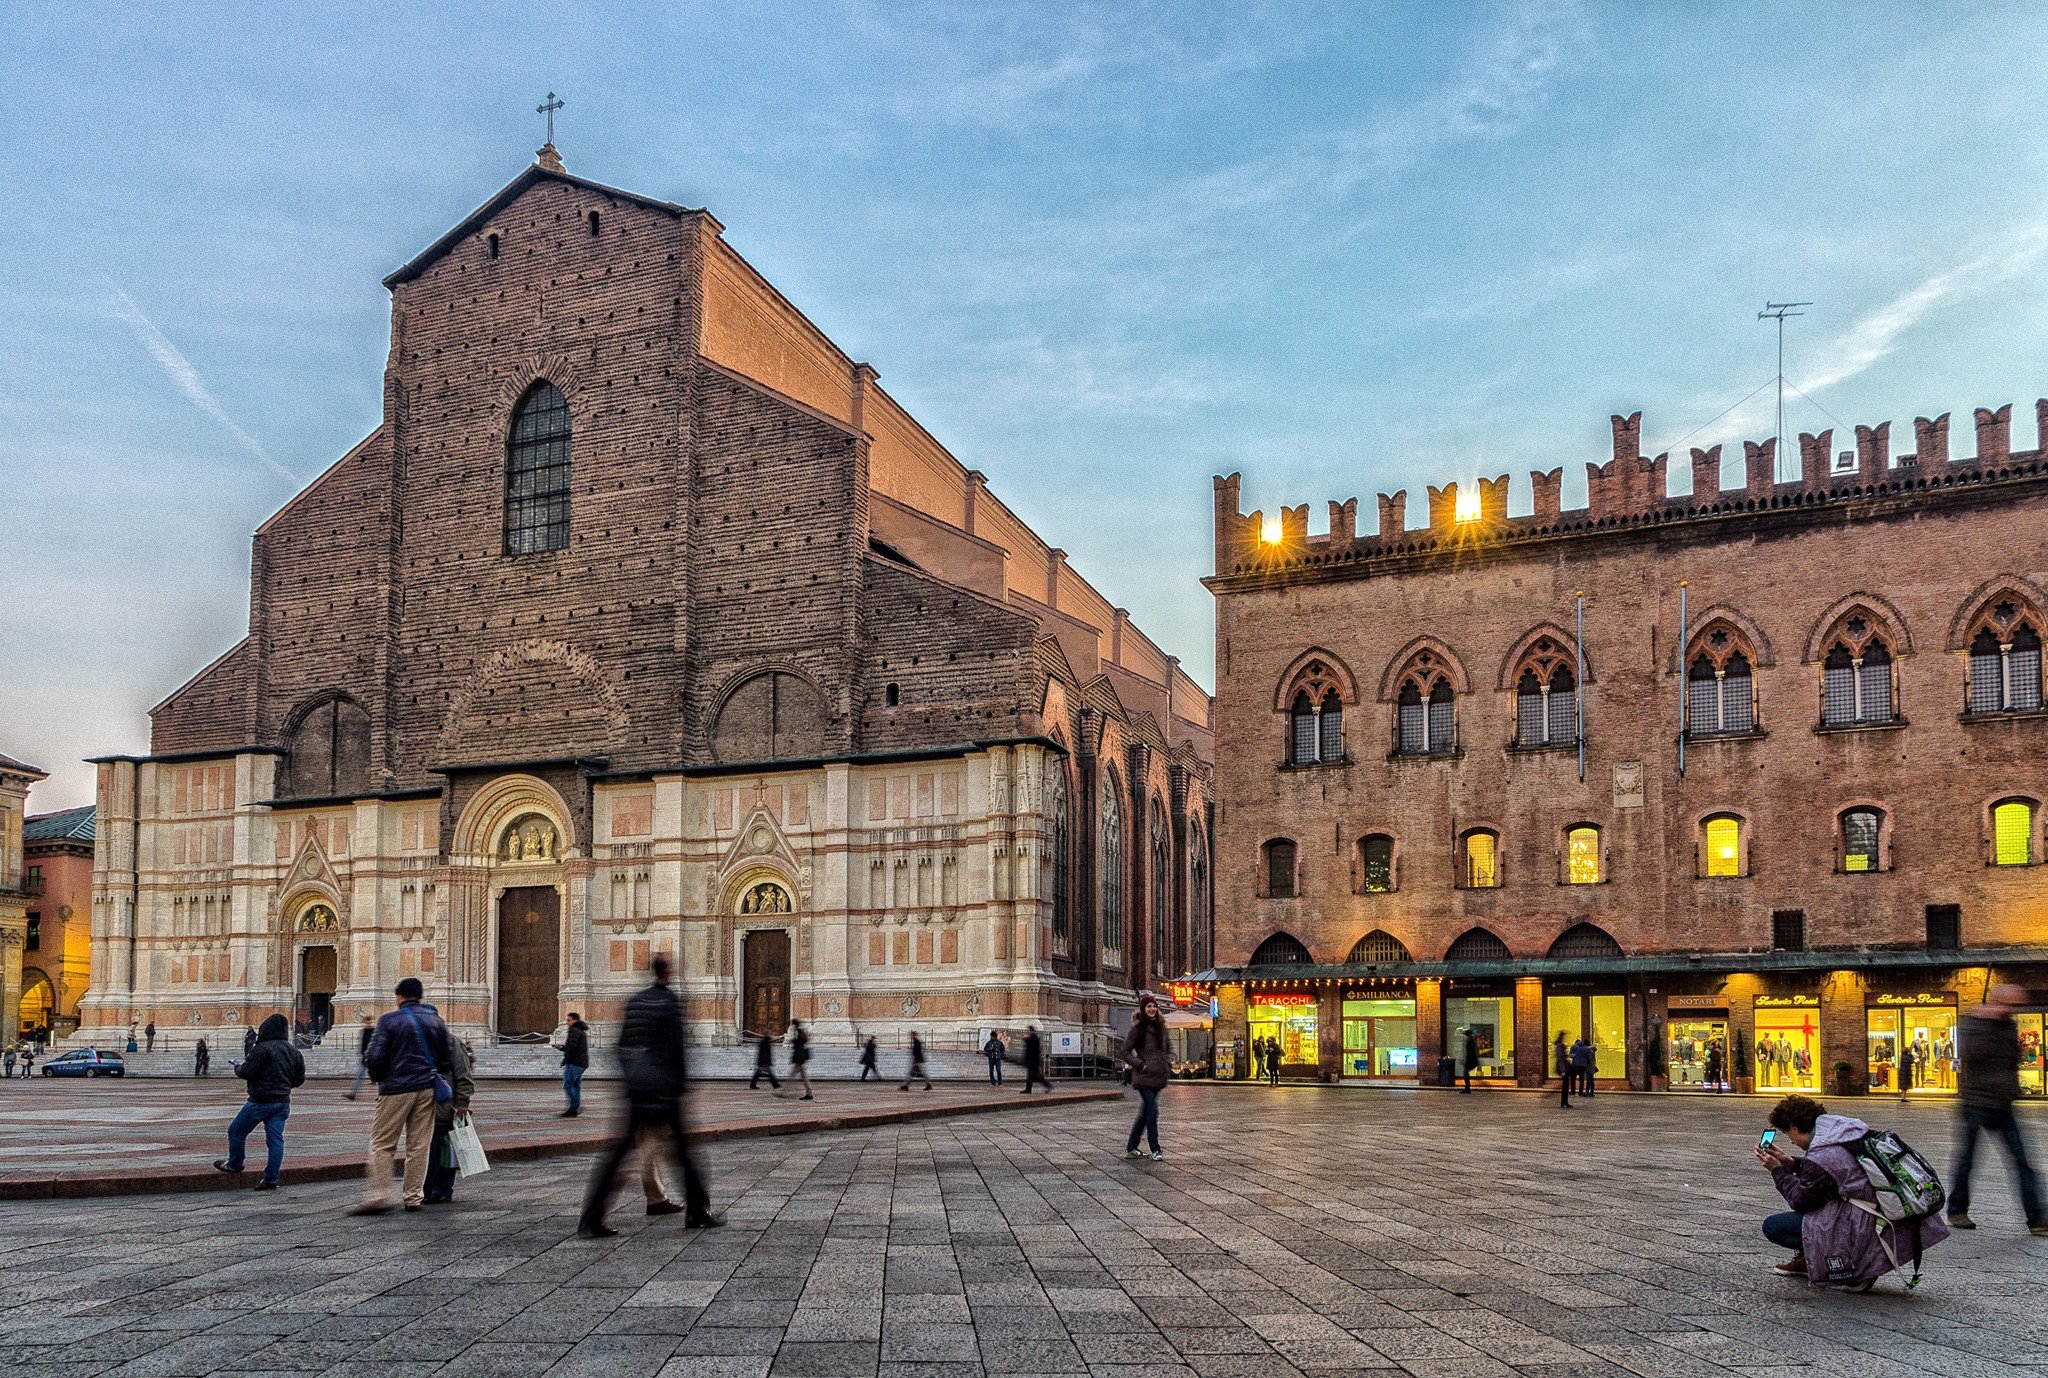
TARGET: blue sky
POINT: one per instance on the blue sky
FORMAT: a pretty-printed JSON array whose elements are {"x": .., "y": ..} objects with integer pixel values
[{"x": 1103, "y": 252}]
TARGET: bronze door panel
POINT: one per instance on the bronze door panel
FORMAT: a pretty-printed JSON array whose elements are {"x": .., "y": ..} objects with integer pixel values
[
  {"x": 529, "y": 960},
  {"x": 767, "y": 982}
]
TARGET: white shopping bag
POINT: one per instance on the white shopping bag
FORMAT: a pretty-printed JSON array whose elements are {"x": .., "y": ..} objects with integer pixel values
[{"x": 469, "y": 1149}]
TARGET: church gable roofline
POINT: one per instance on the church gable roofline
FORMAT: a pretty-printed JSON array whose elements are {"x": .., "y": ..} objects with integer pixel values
[{"x": 510, "y": 192}]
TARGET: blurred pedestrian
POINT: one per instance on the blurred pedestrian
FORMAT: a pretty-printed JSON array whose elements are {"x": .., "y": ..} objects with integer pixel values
[
  {"x": 1034, "y": 1060},
  {"x": 800, "y": 1056},
  {"x": 362, "y": 1057},
  {"x": 248, "y": 1041},
  {"x": 202, "y": 1058},
  {"x": 917, "y": 1072},
  {"x": 764, "y": 1064},
  {"x": 867, "y": 1060},
  {"x": 1561, "y": 1063},
  {"x": 1471, "y": 1051},
  {"x": 409, "y": 1057},
  {"x": 149, "y": 1037},
  {"x": 1582, "y": 1065},
  {"x": 272, "y": 1069},
  {"x": 652, "y": 1054},
  {"x": 575, "y": 1061},
  {"x": 1990, "y": 1064}
]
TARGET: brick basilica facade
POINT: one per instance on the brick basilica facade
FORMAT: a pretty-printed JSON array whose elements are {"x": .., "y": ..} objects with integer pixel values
[
  {"x": 645, "y": 621},
  {"x": 1745, "y": 785}
]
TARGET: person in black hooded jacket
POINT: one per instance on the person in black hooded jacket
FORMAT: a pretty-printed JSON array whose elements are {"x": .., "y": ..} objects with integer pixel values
[{"x": 272, "y": 1069}]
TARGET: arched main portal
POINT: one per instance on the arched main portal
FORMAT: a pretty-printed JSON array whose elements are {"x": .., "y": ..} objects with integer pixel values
[
  {"x": 38, "y": 1001},
  {"x": 765, "y": 910},
  {"x": 528, "y": 975}
]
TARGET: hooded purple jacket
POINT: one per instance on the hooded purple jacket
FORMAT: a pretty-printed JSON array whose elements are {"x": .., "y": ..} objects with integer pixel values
[{"x": 1840, "y": 1240}]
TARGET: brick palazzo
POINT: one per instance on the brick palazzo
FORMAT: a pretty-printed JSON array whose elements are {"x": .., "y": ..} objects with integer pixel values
[
  {"x": 646, "y": 621},
  {"x": 1783, "y": 802}
]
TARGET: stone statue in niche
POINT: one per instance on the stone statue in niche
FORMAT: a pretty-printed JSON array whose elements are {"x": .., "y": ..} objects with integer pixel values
[
  {"x": 318, "y": 918},
  {"x": 765, "y": 898},
  {"x": 529, "y": 839}
]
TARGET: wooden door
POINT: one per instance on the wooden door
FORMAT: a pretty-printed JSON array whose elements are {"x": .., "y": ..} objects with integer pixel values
[
  {"x": 529, "y": 960},
  {"x": 767, "y": 982},
  {"x": 318, "y": 974}
]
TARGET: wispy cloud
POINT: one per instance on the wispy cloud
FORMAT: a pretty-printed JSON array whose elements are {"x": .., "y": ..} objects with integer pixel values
[{"x": 186, "y": 377}]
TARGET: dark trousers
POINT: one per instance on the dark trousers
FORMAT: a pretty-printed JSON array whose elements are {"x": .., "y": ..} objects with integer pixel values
[
  {"x": 441, "y": 1168},
  {"x": 995, "y": 1071},
  {"x": 1468, "y": 1079},
  {"x": 271, "y": 1115},
  {"x": 916, "y": 1073},
  {"x": 572, "y": 1086},
  {"x": 1783, "y": 1230},
  {"x": 1035, "y": 1073},
  {"x": 867, "y": 1069},
  {"x": 2002, "y": 1124},
  {"x": 667, "y": 1120},
  {"x": 1564, "y": 1088},
  {"x": 763, "y": 1070},
  {"x": 1147, "y": 1122}
]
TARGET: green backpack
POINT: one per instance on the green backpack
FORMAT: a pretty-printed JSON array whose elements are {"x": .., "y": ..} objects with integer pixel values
[{"x": 1907, "y": 1190}]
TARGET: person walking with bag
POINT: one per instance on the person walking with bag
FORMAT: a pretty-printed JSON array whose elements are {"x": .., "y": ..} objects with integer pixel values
[
  {"x": 652, "y": 1055},
  {"x": 409, "y": 1057},
  {"x": 1990, "y": 1066},
  {"x": 441, "y": 1164},
  {"x": 272, "y": 1069},
  {"x": 1146, "y": 1054},
  {"x": 868, "y": 1056},
  {"x": 1034, "y": 1060},
  {"x": 800, "y": 1056},
  {"x": 575, "y": 1061}
]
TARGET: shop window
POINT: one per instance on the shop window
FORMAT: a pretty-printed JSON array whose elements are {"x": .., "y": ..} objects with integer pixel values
[
  {"x": 1582, "y": 855},
  {"x": 1280, "y": 853},
  {"x": 1862, "y": 834},
  {"x": 1697, "y": 1045},
  {"x": 2012, "y": 833},
  {"x": 1289, "y": 1019},
  {"x": 1721, "y": 846},
  {"x": 2033, "y": 1073},
  {"x": 1720, "y": 698},
  {"x": 1944, "y": 927},
  {"x": 1478, "y": 945},
  {"x": 1601, "y": 1019},
  {"x": 1491, "y": 1021},
  {"x": 1375, "y": 865},
  {"x": 1787, "y": 1044},
  {"x": 1282, "y": 950},
  {"x": 1585, "y": 940},
  {"x": 1378, "y": 947},
  {"x": 2005, "y": 660},
  {"x": 1479, "y": 860},
  {"x": 1912, "y": 1047},
  {"x": 1379, "y": 1037},
  {"x": 1788, "y": 930}
]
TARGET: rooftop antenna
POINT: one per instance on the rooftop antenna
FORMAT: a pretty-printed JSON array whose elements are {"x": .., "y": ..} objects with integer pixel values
[{"x": 1777, "y": 311}]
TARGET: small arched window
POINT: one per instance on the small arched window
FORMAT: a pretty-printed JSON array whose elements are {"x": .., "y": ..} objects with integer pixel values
[
  {"x": 1479, "y": 860},
  {"x": 1478, "y": 945},
  {"x": 1279, "y": 859},
  {"x": 594, "y": 224},
  {"x": 2005, "y": 660},
  {"x": 537, "y": 473},
  {"x": 1376, "y": 864},
  {"x": 2012, "y": 832},
  {"x": 1281, "y": 950},
  {"x": 1585, "y": 940},
  {"x": 1112, "y": 865},
  {"x": 1546, "y": 698},
  {"x": 491, "y": 245},
  {"x": 1721, "y": 846},
  {"x": 1856, "y": 677},
  {"x": 1720, "y": 698},
  {"x": 1378, "y": 948},
  {"x": 1862, "y": 834},
  {"x": 1582, "y": 855}
]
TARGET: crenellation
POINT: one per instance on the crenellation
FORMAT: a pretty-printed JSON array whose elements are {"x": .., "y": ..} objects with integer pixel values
[
  {"x": 1706, "y": 474},
  {"x": 1994, "y": 435},
  {"x": 1873, "y": 451},
  {"x": 1493, "y": 501},
  {"x": 1628, "y": 436},
  {"x": 1393, "y": 514},
  {"x": 1816, "y": 458},
  {"x": 1930, "y": 441},
  {"x": 1344, "y": 523},
  {"x": 1294, "y": 525},
  {"x": 1443, "y": 507},
  {"x": 1760, "y": 466},
  {"x": 1547, "y": 487}
]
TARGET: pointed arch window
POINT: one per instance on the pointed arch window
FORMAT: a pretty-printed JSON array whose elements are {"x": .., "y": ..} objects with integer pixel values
[
  {"x": 537, "y": 473},
  {"x": 1162, "y": 857},
  {"x": 1720, "y": 694},
  {"x": 1546, "y": 698},
  {"x": 1112, "y": 867},
  {"x": 1427, "y": 717},
  {"x": 1315, "y": 717},
  {"x": 1856, "y": 677},
  {"x": 1198, "y": 898},
  {"x": 1478, "y": 945},
  {"x": 2005, "y": 660},
  {"x": 1057, "y": 855},
  {"x": 1378, "y": 948},
  {"x": 1281, "y": 950}
]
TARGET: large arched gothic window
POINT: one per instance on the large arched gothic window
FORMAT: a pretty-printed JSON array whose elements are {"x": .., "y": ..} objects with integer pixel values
[
  {"x": 2005, "y": 659},
  {"x": 1856, "y": 675},
  {"x": 1198, "y": 898},
  {"x": 1057, "y": 855},
  {"x": 1426, "y": 722},
  {"x": 537, "y": 473},
  {"x": 1720, "y": 697},
  {"x": 1112, "y": 853},
  {"x": 328, "y": 751},
  {"x": 1315, "y": 713},
  {"x": 1546, "y": 698},
  {"x": 1162, "y": 858}
]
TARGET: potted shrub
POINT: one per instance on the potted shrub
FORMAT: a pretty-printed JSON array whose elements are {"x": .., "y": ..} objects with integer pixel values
[
  {"x": 1653, "y": 1059},
  {"x": 1745, "y": 1074},
  {"x": 1845, "y": 1079}
]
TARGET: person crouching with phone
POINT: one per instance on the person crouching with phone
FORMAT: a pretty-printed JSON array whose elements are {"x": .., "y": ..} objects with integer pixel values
[{"x": 1834, "y": 1242}]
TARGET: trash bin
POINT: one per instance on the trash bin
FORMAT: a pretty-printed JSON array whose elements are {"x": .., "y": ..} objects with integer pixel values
[{"x": 1447, "y": 1071}]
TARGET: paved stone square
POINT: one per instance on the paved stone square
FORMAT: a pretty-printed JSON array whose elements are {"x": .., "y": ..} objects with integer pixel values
[{"x": 1297, "y": 1231}]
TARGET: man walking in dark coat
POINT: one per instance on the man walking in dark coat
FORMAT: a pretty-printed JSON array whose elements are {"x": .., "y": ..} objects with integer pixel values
[
  {"x": 1034, "y": 1060},
  {"x": 652, "y": 1055},
  {"x": 149, "y": 1037},
  {"x": 764, "y": 1064},
  {"x": 272, "y": 1069},
  {"x": 916, "y": 1072},
  {"x": 1561, "y": 1062},
  {"x": 1990, "y": 1064},
  {"x": 248, "y": 1041},
  {"x": 867, "y": 1060},
  {"x": 1582, "y": 1065},
  {"x": 202, "y": 1059},
  {"x": 1471, "y": 1051},
  {"x": 575, "y": 1059}
]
